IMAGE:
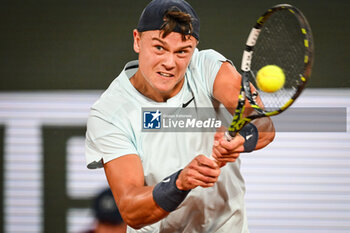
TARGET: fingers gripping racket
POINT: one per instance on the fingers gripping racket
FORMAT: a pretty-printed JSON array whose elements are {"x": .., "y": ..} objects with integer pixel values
[{"x": 281, "y": 37}]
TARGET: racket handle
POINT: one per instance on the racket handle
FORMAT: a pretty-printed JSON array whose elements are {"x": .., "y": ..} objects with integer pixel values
[{"x": 230, "y": 135}]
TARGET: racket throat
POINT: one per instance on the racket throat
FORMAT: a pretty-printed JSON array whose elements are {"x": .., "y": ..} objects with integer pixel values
[{"x": 236, "y": 127}]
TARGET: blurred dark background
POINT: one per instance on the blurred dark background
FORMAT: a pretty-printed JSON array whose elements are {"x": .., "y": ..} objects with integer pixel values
[{"x": 84, "y": 44}]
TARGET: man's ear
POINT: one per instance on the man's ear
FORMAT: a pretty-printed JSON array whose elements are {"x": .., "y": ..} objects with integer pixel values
[{"x": 137, "y": 36}]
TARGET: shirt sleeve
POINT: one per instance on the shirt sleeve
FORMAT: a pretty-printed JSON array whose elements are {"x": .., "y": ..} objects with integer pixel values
[{"x": 105, "y": 142}]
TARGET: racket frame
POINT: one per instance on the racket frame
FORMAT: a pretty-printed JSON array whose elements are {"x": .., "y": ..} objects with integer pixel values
[{"x": 239, "y": 121}]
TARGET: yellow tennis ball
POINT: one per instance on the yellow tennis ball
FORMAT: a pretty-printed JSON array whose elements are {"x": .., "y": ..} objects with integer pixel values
[{"x": 270, "y": 78}]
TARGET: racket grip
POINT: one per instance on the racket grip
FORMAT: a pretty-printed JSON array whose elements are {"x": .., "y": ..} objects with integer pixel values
[{"x": 229, "y": 135}]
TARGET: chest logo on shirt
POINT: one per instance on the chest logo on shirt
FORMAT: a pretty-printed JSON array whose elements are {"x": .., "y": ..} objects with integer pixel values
[{"x": 152, "y": 119}]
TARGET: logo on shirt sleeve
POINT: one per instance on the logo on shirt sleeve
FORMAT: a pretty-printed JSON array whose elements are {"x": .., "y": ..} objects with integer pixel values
[{"x": 152, "y": 119}]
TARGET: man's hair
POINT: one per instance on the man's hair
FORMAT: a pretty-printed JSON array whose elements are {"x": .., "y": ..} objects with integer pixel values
[{"x": 177, "y": 19}]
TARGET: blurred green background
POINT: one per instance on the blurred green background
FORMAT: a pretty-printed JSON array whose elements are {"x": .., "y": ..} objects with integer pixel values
[{"x": 84, "y": 44}]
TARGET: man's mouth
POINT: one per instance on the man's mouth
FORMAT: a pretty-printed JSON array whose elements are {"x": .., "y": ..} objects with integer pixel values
[{"x": 167, "y": 75}]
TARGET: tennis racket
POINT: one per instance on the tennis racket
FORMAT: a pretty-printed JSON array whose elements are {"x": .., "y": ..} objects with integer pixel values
[{"x": 281, "y": 37}]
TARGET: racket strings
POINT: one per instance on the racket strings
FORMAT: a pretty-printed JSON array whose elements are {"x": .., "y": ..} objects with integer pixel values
[{"x": 280, "y": 43}]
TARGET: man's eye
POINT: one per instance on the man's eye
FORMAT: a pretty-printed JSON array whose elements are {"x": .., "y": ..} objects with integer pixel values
[
  {"x": 182, "y": 52},
  {"x": 158, "y": 47}
]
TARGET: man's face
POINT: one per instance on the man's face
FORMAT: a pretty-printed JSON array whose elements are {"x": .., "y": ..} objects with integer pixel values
[{"x": 162, "y": 62}]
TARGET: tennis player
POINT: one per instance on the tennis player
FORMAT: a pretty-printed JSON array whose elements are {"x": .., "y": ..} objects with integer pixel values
[{"x": 163, "y": 181}]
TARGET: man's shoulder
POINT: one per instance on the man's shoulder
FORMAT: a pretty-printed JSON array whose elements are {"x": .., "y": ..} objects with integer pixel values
[
  {"x": 116, "y": 99},
  {"x": 206, "y": 52},
  {"x": 206, "y": 56},
  {"x": 112, "y": 102}
]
